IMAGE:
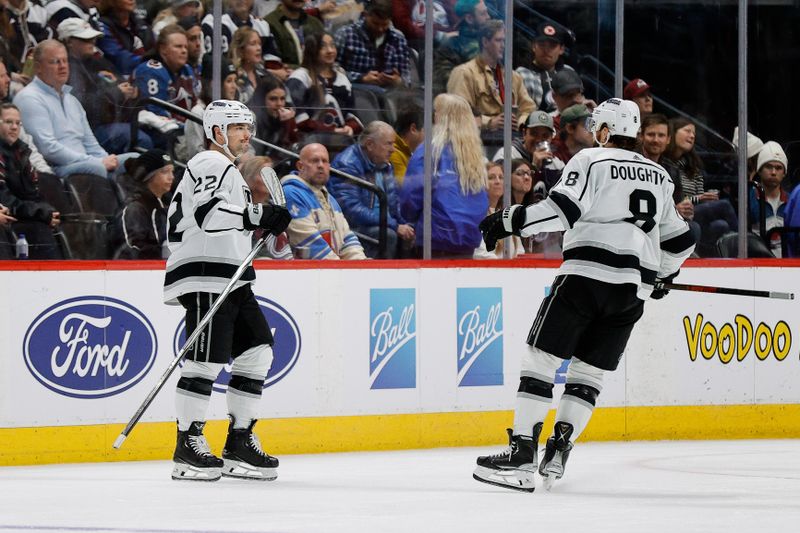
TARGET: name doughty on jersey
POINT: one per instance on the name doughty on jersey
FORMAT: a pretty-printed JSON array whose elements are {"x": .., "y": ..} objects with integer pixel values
[{"x": 639, "y": 173}]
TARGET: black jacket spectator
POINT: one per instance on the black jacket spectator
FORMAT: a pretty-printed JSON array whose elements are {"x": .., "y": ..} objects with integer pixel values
[
  {"x": 19, "y": 192},
  {"x": 140, "y": 231},
  {"x": 144, "y": 227}
]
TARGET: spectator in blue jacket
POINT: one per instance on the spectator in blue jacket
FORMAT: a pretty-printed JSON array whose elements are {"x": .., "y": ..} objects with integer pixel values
[
  {"x": 126, "y": 38},
  {"x": 459, "y": 199},
  {"x": 369, "y": 159}
]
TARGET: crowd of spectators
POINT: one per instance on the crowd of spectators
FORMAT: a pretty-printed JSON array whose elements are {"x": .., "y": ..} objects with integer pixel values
[{"x": 339, "y": 82}]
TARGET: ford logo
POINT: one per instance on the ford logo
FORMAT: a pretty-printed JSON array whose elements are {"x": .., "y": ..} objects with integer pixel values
[
  {"x": 90, "y": 347},
  {"x": 285, "y": 351}
]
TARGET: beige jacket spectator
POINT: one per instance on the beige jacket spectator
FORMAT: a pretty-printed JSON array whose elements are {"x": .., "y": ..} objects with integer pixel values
[{"x": 479, "y": 82}]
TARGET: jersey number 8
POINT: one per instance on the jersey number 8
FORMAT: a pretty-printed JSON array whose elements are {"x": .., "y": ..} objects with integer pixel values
[{"x": 643, "y": 208}]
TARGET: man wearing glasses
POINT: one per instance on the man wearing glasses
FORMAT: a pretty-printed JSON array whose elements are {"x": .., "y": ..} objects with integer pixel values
[{"x": 57, "y": 121}]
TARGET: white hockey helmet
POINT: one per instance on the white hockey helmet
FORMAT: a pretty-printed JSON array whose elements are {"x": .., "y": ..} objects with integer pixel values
[
  {"x": 222, "y": 113},
  {"x": 620, "y": 116}
]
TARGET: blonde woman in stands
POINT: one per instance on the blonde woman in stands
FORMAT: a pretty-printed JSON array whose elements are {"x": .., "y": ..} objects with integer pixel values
[{"x": 459, "y": 198}]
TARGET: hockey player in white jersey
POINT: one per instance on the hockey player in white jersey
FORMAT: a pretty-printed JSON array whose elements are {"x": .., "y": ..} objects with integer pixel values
[
  {"x": 211, "y": 219},
  {"x": 623, "y": 235}
]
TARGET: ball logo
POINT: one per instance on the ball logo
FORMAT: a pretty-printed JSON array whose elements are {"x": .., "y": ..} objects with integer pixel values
[
  {"x": 392, "y": 339},
  {"x": 90, "y": 347},
  {"x": 480, "y": 336},
  {"x": 285, "y": 351}
]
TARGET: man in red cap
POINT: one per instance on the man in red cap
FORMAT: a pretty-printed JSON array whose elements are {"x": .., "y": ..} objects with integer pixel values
[
  {"x": 638, "y": 90},
  {"x": 548, "y": 47}
]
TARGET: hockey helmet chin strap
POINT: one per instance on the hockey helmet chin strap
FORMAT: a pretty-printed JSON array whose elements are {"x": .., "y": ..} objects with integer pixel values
[{"x": 224, "y": 147}]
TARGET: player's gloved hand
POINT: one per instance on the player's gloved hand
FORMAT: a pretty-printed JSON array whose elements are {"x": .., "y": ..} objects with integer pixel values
[
  {"x": 492, "y": 230},
  {"x": 659, "y": 292},
  {"x": 273, "y": 218},
  {"x": 502, "y": 224}
]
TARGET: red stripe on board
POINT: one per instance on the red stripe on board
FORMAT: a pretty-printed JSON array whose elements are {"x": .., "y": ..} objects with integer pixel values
[{"x": 397, "y": 264}]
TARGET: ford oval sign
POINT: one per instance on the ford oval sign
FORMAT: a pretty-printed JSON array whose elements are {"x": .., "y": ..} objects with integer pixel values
[
  {"x": 285, "y": 351},
  {"x": 90, "y": 347}
]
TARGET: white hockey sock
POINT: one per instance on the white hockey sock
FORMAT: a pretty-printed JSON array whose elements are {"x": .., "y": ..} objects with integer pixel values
[
  {"x": 190, "y": 408},
  {"x": 529, "y": 411},
  {"x": 194, "y": 392},
  {"x": 246, "y": 384},
  {"x": 584, "y": 383},
  {"x": 535, "y": 393},
  {"x": 243, "y": 407},
  {"x": 576, "y": 412}
]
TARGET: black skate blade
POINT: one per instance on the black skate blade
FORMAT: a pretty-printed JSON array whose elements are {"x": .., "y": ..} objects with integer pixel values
[{"x": 503, "y": 485}]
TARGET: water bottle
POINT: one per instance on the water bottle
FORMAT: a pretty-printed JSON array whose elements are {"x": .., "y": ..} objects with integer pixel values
[{"x": 22, "y": 247}]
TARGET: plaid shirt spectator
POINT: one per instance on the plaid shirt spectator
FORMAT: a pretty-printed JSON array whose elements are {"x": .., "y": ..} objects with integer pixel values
[
  {"x": 358, "y": 54},
  {"x": 535, "y": 79}
]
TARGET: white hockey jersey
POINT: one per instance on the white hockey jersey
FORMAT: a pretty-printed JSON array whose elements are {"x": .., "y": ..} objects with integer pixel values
[
  {"x": 620, "y": 217},
  {"x": 207, "y": 239}
]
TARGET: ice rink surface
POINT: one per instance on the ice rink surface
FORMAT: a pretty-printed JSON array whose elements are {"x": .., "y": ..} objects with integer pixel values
[{"x": 641, "y": 487}]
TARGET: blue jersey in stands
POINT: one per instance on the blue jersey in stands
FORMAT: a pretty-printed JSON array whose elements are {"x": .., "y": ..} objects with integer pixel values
[{"x": 155, "y": 80}]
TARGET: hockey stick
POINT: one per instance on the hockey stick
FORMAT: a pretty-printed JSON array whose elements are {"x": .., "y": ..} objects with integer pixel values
[
  {"x": 276, "y": 192},
  {"x": 189, "y": 343},
  {"x": 726, "y": 290}
]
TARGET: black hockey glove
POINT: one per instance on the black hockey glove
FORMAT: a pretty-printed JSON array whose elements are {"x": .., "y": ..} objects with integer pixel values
[
  {"x": 273, "y": 218},
  {"x": 659, "y": 292},
  {"x": 502, "y": 224}
]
